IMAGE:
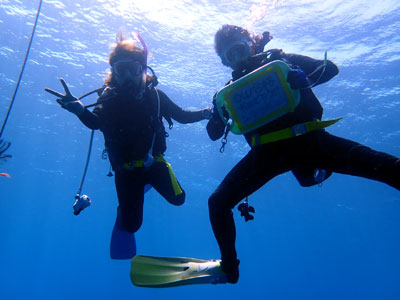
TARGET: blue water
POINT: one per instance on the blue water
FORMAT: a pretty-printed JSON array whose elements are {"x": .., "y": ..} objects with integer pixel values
[{"x": 338, "y": 241}]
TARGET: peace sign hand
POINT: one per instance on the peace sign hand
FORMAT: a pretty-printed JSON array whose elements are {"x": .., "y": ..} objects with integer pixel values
[{"x": 67, "y": 101}]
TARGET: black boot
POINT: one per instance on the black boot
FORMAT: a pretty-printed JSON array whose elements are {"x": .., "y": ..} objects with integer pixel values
[{"x": 231, "y": 269}]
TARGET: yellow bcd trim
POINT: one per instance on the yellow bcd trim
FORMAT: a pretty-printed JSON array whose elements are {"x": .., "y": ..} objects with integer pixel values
[
  {"x": 158, "y": 158},
  {"x": 290, "y": 132}
]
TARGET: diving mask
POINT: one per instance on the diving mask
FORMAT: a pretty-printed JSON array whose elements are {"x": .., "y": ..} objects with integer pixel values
[
  {"x": 129, "y": 73},
  {"x": 124, "y": 66},
  {"x": 236, "y": 52}
]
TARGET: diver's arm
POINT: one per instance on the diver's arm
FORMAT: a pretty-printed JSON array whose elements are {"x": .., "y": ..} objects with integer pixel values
[
  {"x": 170, "y": 110},
  {"x": 313, "y": 67},
  {"x": 90, "y": 119},
  {"x": 95, "y": 119},
  {"x": 75, "y": 106}
]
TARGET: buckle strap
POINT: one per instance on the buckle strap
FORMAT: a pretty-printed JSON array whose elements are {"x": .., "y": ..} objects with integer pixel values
[
  {"x": 133, "y": 164},
  {"x": 140, "y": 163},
  {"x": 287, "y": 133}
]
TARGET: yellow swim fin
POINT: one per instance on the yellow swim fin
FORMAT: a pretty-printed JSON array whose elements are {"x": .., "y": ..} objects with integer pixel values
[{"x": 160, "y": 272}]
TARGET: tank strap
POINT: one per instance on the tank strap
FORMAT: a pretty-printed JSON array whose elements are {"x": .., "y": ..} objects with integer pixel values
[{"x": 287, "y": 133}]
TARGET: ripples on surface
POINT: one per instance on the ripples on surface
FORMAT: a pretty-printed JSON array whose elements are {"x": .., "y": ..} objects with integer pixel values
[{"x": 73, "y": 40}]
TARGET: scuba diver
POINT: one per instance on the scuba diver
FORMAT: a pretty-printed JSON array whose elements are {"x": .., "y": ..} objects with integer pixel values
[
  {"x": 129, "y": 113},
  {"x": 294, "y": 141}
]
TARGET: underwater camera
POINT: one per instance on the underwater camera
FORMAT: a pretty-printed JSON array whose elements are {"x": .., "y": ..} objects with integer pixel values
[{"x": 81, "y": 202}]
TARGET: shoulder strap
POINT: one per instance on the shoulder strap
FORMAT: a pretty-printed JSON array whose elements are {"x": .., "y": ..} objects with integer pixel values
[
  {"x": 158, "y": 117},
  {"x": 105, "y": 93},
  {"x": 158, "y": 103},
  {"x": 168, "y": 119}
]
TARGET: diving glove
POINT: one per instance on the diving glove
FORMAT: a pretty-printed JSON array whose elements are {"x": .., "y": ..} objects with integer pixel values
[
  {"x": 207, "y": 113},
  {"x": 68, "y": 101},
  {"x": 298, "y": 79}
]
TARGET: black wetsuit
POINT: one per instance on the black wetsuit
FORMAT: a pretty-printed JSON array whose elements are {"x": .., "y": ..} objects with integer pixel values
[
  {"x": 316, "y": 149},
  {"x": 129, "y": 126}
]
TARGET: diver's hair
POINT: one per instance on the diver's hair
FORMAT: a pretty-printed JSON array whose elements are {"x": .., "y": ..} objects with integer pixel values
[
  {"x": 127, "y": 49},
  {"x": 230, "y": 33},
  {"x": 122, "y": 50}
]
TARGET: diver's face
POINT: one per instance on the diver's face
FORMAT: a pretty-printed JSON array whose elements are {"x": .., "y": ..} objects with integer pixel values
[
  {"x": 128, "y": 73},
  {"x": 236, "y": 54}
]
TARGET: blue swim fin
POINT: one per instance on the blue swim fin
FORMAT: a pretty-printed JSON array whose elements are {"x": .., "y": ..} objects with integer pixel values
[
  {"x": 123, "y": 243},
  {"x": 161, "y": 272}
]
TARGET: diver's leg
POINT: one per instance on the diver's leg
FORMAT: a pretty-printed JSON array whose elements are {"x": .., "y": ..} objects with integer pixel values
[
  {"x": 252, "y": 172},
  {"x": 130, "y": 191},
  {"x": 348, "y": 157},
  {"x": 163, "y": 179}
]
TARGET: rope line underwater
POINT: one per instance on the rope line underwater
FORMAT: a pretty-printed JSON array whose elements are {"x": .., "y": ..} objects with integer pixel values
[{"x": 22, "y": 69}]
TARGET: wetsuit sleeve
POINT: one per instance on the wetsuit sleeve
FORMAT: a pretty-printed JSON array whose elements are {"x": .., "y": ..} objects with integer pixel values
[
  {"x": 90, "y": 119},
  {"x": 215, "y": 126},
  {"x": 313, "y": 67},
  {"x": 170, "y": 110},
  {"x": 95, "y": 119}
]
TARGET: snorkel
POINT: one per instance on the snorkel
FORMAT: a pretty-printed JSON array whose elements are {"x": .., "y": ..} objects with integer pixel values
[
  {"x": 260, "y": 42},
  {"x": 142, "y": 42},
  {"x": 153, "y": 82}
]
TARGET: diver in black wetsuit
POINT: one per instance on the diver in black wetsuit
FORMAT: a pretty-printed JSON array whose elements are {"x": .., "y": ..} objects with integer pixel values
[
  {"x": 304, "y": 151},
  {"x": 129, "y": 113}
]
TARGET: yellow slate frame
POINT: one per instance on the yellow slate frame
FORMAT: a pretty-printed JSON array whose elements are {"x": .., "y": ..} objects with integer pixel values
[{"x": 224, "y": 97}]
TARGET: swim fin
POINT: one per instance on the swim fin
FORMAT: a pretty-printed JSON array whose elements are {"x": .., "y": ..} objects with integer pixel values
[
  {"x": 160, "y": 272},
  {"x": 123, "y": 243}
]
